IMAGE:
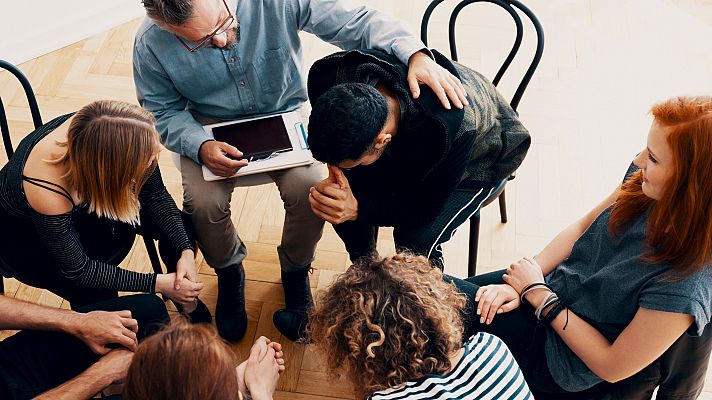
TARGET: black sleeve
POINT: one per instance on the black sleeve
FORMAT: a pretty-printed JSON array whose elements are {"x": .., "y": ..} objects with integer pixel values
[
  {"x": 60, "y": 237},
  {"x": 422, "y": 203},
  {"x": 158, "y": 205}
]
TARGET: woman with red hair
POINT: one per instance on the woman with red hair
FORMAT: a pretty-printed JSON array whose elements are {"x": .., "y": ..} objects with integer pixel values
[{"x": 615, "y": 290}]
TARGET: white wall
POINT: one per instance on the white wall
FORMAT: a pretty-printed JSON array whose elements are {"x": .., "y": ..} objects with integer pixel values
[{"x": 30, "y": 28}]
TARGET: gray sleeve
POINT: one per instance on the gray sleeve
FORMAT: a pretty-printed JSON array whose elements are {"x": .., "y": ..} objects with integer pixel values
[
  {"x": 351, "y": 27},
  {"x": 179, "y": 131},
  {"x": 690, "y": 296}
]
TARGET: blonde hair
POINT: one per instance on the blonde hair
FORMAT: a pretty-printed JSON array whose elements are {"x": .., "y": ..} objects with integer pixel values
[
  {"x": 110, "y": 153},
  {"x": 387, "y": 322}
]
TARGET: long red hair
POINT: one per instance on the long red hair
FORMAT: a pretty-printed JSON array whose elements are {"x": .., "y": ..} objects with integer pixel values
[{"x": 679, "y": 230}]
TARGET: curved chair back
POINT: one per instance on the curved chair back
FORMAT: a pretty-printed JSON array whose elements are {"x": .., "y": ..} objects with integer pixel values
[
  {"x": 514, "y": 8},
  {"x": 511, "y": 7},
  {"x": 31, "y": 99},
  {"x": 122, "y": 250}
]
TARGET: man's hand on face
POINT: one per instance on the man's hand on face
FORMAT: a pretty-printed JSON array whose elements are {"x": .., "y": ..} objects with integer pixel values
[
  {"x": 422, "y": 69},
  {"x": 332, "y": 199},
  {"x": 221, "y": 158}
]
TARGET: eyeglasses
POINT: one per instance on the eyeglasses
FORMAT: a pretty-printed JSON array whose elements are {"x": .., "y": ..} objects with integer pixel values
[{"x": 224, "y": 26}]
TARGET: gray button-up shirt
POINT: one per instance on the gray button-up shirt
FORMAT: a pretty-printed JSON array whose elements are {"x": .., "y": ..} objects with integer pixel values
[{"x": 263, "y": 74}]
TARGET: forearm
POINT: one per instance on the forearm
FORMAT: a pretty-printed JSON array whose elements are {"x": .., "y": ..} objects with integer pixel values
[
  {"x": 164, "y": 216},
  {"x": 178, "y": 129},
  {"x": 359, "y": 27},
  {"x": 633, "y": 349},
  {"x": 582, "y": 338},
  {"x": 560, "y": 247},
  {"x": 85, "y": 386},
  {"x": 16, "y": 314}
]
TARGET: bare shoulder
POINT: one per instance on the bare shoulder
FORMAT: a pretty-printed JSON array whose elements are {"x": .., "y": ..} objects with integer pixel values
[
  {"x": 43, "y": 184},
  {"x": 45, "y": 201}
]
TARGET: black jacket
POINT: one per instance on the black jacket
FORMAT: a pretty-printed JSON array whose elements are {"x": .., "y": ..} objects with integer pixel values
[{"x": 435, "y": 150}]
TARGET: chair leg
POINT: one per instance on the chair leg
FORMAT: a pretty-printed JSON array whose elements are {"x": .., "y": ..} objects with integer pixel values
[
  {"x": 503, "y": 207},
  {"x": 474, "y": 240},
  {"x": 153, "y": 255}
]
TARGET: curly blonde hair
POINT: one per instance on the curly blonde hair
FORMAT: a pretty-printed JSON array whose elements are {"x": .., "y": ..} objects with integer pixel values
[{"x": 386, "y": 322}]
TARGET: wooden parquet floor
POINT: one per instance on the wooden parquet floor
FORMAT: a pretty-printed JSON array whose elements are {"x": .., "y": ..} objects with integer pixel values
[{"x": 605, "y": 63}]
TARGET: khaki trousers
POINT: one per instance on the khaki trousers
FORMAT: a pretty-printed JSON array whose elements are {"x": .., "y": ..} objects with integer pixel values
[{"x": 208, "y": 204}]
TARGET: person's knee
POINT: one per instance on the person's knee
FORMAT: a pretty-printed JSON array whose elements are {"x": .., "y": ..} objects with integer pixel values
[
  {"x": 150, "y": 312},
  {"x": 294, "y": 185},
  {"x": 206, "y": 201}
]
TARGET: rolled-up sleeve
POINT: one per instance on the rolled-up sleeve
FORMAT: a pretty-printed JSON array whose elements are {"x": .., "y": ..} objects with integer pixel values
[{"x": 351, "y": 27}]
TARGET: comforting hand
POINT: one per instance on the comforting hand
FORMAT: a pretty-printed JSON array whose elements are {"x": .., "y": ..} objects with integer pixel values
[
  {"x": 422, "y": 69},
  {"x": 100, "y": 328},
  {"x": 186, "y": 295},
  {"x": 263, "y": 368},
  {"x": 523, "y": 273},
  {"x": 221, "y": 158},
  {"x": 495, "y": 299},
  {"x": 332, "y": 199}
]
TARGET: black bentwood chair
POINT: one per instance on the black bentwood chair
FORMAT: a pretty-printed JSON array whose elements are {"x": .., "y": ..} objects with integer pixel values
[
  {"x": 120, "y": 253},
  {"x": 514, "y": 8}
]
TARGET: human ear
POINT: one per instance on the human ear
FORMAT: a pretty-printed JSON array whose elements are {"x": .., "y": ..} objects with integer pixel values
[{"x": 382, "y": 139}]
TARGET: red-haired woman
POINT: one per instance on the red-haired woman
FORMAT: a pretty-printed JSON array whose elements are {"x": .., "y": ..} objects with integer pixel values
[
  {"x": 191, "y": 362},
  {"x": 613, "y": 291}
]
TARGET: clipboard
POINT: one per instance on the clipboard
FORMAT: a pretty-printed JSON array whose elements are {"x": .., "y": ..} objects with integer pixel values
[{"x": 268, "y": 143}]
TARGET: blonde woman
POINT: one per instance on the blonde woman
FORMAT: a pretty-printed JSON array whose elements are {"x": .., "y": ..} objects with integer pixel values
[
  {"x": 395, "y": 328},
  {"x": 78, "y": 186}
]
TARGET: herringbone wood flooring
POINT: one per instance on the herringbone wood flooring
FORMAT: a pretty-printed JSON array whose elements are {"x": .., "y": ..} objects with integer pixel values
[{"x": 605, "y": 63}]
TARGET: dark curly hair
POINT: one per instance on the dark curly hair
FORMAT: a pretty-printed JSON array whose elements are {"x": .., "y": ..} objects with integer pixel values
[
  {"x": 345, "y": 121},
  {"x": 386, "y": 322}
]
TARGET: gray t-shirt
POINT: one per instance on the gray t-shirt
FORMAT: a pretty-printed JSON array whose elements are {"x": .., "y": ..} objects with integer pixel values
[{"x": 604, "y": 282}]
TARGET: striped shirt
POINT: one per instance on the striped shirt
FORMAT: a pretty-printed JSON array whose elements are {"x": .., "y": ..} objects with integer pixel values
[{"x": 487, "y": 370}]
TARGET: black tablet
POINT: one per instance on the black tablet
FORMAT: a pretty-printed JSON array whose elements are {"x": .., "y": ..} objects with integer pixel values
[{"x": 257, "y": 138}]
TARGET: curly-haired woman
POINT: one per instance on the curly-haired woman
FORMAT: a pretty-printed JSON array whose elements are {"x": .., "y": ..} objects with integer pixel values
[
  {"x": 395, "y": 328},
  {"x": 615, "y": 290}
]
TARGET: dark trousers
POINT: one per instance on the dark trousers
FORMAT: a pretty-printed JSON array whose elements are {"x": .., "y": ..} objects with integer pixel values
[
  {"x": 23, "y": 256},
  {"x": 679, "y": 372},
  {"x": 426, "y": 239},
  {"x": 32, "y": 362}
]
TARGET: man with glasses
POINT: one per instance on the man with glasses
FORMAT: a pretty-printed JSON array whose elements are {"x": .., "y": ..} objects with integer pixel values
[{"x": 191, "y": 68}]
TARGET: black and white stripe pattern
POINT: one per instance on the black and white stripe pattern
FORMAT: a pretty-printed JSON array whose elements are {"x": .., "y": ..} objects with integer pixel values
[
  {"x": 487, "y": 370},
  {"x": 57, "y": 234}
]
